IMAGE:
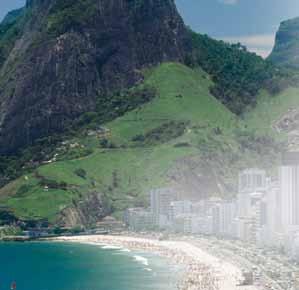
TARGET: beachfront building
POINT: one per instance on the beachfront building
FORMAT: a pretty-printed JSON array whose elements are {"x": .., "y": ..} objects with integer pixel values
[
  {"x": 180, "y": 207},
  {"x": 265, "y": 212},
  {"x": 160, "y": 200},
  {"x": 183, "y": 223},
  {"x": 251, "y": 209},
  {"x": 199, "y": 208},
  {"x": 273, "y": 221},
  {"x": 227, "y": 215},
  {"x": 246, "y": 217},
  {"x": 139, "y": 219},
  {"x": 203, "y": 207},
  {"x": 193, "y": 224},
  {"x": 259, "y": 216},
  {"x": 246, "y": 229},
  {"x": 244, "y": 204},
  {"x": 252, "y": 180},
  {"x": 289, "y": 194},
  {"x": 289, "y": 200},
  {"x": 128, "y": 215},
  {"x": 215, "y": 212},
  {"x": 202, "y": 225}
]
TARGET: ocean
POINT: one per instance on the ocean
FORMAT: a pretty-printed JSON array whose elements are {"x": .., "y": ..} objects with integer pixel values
[{"x": 67, "y": 266}]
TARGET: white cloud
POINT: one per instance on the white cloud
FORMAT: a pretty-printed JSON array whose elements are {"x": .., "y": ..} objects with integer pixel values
[
  {"x": 229, "y": 2},
  {"x": 261, "y": 44}
]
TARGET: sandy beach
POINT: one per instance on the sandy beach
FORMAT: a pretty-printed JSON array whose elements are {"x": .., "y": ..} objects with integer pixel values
[{"x": 202, "y": 270}]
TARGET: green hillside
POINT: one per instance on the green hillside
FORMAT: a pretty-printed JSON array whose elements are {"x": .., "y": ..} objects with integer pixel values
[
  {"x": 184, "y": 122},
  {"x": 183, "y": 96},
  {"x": 130, "y": 168},
  {"x": 270, "y": 109}
]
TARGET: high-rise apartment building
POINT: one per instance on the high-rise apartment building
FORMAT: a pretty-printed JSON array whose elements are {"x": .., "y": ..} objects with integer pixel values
[
  {"x": 289, "y": 190},
  {"x": 252, "y": 180},
  {"x": 160, "y": 200}
]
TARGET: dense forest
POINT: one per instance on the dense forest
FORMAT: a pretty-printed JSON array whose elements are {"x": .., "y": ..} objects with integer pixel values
[{"x": 237, "y": 73}]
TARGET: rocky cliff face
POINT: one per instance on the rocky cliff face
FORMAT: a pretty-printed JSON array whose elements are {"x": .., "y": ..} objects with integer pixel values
[
  {"x": 70, "y": 53},
  {"x": 86, "y": 212},
  {"x": 286, "y": 49}
]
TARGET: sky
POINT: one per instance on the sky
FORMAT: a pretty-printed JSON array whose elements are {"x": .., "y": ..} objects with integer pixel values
[{"x": 251, "y": 22}]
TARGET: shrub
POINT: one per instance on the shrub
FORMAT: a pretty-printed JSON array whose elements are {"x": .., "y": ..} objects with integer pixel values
[
  {"x": 162, "y": 134},
  {"x": 53, "y": 184},
  {"x": 182, "y": 144},
  {"x": 23, "y": 189},
  {"x": 81, "y": 173},
  {"x": 105, "y": 143},
  {"x": 87, "y": 118},
  {"x": 116, "y": 104},
  {"x": 76, "y": 230}
]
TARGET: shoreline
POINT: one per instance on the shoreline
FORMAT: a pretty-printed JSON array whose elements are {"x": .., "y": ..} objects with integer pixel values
[{"x": 202, "y": 270}]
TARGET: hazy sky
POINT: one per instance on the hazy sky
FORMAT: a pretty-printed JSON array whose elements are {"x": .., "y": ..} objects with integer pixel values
[
  {"x": 252, "y": 22},
  {"x": 7, "y": 5}
]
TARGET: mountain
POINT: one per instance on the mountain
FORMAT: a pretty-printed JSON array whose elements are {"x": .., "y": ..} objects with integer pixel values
[
  {"x": 286, "y": 49},
  {"x": 102, "y": 101},
  {"x": 60, "y": 59},
  {"x": 65, "y": 55},
  {"x": 11, "y": 17}
]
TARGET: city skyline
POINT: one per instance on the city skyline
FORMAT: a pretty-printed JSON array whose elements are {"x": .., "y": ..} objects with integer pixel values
[{"x": 264, "y": 212}]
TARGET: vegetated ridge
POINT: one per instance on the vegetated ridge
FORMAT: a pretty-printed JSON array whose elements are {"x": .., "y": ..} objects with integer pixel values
[{"x": 103, "y": 101}]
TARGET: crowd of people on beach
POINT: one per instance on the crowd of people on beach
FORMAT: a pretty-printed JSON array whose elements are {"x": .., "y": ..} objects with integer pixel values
[
  {"x": 199, "y": 277},
  {"x": 200, "y": 272}
]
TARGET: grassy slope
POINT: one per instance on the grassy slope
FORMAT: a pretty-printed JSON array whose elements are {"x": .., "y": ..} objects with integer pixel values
[
  {"x": 184, "y": 95},
  {"x": 270, "y": 108},
  {"x": 125, "y": 175}
]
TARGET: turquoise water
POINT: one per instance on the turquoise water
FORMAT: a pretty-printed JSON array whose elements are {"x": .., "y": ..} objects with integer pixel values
[{"x": 59, "y": 266}]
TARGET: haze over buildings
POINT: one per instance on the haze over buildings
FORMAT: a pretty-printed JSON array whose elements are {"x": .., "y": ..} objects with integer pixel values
[{"x": 265, "y": 210}]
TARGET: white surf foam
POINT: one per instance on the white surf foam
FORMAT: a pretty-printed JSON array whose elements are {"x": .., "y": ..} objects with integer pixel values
[
  {"x": 106, "y": 247},
  {"x": 142, "y": 260},
  {"x": 125, "y": 250}
]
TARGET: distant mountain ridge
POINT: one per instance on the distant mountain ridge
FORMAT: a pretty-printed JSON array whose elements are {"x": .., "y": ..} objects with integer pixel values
[
  {"x": 286, "y": 48},
  {"x": 12, "y": 16}
]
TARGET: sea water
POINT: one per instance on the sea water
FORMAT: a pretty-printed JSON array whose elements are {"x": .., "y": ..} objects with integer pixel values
[{"x": 70, "y": 266}]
